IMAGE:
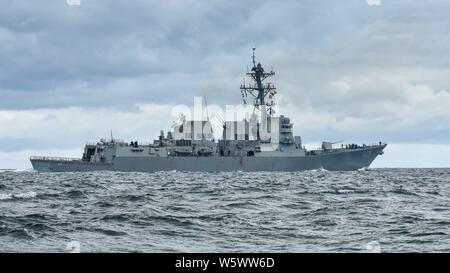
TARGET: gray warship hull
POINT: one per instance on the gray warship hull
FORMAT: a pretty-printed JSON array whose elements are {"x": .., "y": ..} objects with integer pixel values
[{"x": 338, "y": 160}]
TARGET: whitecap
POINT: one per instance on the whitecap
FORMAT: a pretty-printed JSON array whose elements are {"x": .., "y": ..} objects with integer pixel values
[
  {"x": 345, "y": 191},
  {"x": 6, "y": 170},
  {"x": 29, "y": 233},
  {"x": 5, "y": 196},
  {"x": 17, "y": 170},
  {"x": 23, "y": 170},
  {"x": 25, "y": 195},
  {"x": 321, "y": 169},
  {"x": 73, "y": 247},
  {"x": 373, "y": 247},
  {"x": 30, "y": 194}
]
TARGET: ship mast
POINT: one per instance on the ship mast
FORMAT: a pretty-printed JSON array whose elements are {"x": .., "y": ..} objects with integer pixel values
[{"x": 258, "y": 89}]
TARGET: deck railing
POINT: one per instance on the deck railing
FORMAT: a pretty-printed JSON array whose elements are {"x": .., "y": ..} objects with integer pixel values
[
  {"x": 50, "y": 158},
  {"x": 363, "y": 146}
]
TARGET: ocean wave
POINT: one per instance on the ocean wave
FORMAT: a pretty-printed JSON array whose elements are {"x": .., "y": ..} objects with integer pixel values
[
  {"x": 24, "y": 170},
  {"x": 318, "y": 170},
  {"x": 189, "y": 211},
  {"x": 324, "y": 222},
  {"x": 16, "y": 170},
  {"x": 5, "y": 196},
  {"x": 76, "y": 194},
  {"x": 20, "y": 233},
  {"x": 110, "y": 232},
  {"x": 403, "y": 191},
  {"x": 345, "y": 191},
  {"x": 25, "y": 195},
  {"x": 117, "y": 217}
]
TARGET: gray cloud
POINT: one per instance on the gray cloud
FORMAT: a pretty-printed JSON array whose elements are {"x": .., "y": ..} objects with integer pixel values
[{"x": 346, "y": 70}]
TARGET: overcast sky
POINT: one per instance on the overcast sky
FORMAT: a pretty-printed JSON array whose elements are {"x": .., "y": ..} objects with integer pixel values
[{"x": 345, "y": 70}]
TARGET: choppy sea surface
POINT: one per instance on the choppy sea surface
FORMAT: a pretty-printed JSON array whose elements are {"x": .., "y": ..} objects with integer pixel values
[{"x": 391, "y": 210}]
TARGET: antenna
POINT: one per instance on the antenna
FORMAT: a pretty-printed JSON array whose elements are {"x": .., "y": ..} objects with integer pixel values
[
  {"x": 254, "y": 63},
  {"x": 259, "y": 89}
]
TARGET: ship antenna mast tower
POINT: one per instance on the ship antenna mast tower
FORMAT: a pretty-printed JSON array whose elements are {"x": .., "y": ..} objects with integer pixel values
[{"x": 259, "y": 90}]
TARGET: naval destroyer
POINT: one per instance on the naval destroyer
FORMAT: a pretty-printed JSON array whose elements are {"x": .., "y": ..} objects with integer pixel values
[{"x": 264, "y": 142}]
